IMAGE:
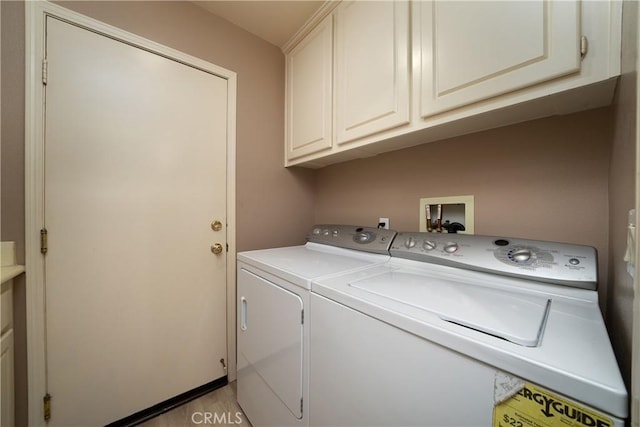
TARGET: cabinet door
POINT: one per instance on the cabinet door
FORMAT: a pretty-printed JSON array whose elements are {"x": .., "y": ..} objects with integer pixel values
[
  {"x": 473, "y": 50},
  {"x": 7, "y": 384},
  {"x": 309, "y": 87},
  {"x": 372, "y": 67}
]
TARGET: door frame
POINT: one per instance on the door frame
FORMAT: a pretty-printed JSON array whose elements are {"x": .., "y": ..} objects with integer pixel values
[
  {"x": 35, "y": 39},
  {"x": 634, "y": 386}
]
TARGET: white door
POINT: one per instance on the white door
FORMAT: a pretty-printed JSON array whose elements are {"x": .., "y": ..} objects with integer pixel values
[
  {"x": 474, "y": 50},
  {"x": 372, "y": 67},
  {"x": 135, "y": 149}
]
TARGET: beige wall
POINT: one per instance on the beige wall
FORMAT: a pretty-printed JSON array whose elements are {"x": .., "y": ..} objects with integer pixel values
[
  {"x": 545, "y": 179},
  {"x": 12, "y": 155},
  {"x": 622, "y": 194}
]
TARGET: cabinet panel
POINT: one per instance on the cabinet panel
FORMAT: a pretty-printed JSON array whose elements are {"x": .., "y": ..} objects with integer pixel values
[
  {"x": 6, "y": 307},
  {"x": 309, "y": 93},
  {"x": 7, "y": 411},
  {"x": 476, "y": 50},
  {"x": 372, "y": 68}
]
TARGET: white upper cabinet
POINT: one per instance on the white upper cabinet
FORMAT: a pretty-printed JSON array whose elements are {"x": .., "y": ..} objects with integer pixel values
[
  {"x": 309, "y": 68},
  {"x": 474, "y": 50},
  {"x": 372, "y": 70},
  {"x": 406, "y": 73}
]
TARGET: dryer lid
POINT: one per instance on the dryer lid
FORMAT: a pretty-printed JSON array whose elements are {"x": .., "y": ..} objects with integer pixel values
[
  {"x": 301, "y": 264},
  {"x": 513, "y": 316}
]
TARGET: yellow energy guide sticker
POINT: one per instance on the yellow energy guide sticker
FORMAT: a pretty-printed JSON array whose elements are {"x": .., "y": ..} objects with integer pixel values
[{"x": 533, "y": 406}]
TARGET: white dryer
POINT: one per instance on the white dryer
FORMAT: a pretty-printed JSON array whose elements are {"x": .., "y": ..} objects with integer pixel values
[
  {"x": 272, "y": 332},
  {"x": 464, "y": 331}
]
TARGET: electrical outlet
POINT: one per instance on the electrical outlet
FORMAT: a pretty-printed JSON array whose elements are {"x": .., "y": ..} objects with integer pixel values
[{"x": 383, "y": 223}]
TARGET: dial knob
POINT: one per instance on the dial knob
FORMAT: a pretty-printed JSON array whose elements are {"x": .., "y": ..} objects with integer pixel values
[
  {"x": 363, "y": 237},
  {"x": 521, "y": 255},
  {"x": 451, "y": 247},
  {"x": 411, "y": 242},
  {"x": 429, "y": 245}
]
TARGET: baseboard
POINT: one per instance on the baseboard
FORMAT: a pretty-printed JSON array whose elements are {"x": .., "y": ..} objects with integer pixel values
[{"x": 169, "y": 404}]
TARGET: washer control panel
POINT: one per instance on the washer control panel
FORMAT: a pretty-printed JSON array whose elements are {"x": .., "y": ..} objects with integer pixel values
[
  {"x": 368, "y": 239},
  {"x": 558, "y": 263}
]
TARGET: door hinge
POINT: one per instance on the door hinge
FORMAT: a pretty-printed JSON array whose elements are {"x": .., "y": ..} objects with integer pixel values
[
  {"x": 584, "y": 46},
  {"x": 46, "y": 402},
  {"x": 45, "y": 71},
  {"x": 44, "y": 241},
  {"x": 302, "y": 315},
  {"x": 300, "y": 405}
]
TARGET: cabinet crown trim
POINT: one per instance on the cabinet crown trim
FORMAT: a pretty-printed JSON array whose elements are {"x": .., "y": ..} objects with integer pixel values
[{"x": 323, "y": 11}]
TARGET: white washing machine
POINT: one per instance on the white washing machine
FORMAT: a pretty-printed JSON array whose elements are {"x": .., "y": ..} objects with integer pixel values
[
  {"x": 273, "y": 296},
  {"x": 462, "y": 330}
]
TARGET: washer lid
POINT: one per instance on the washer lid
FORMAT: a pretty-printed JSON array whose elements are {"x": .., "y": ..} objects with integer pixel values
[{"x": 512, "y": 316}]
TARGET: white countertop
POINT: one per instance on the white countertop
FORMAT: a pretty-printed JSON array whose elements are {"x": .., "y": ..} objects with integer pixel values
[{"x": 9, "y": 269}]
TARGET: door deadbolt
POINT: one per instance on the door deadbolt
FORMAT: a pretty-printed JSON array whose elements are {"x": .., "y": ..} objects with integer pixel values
[
  {"x": 216, "y": 248},
  {"x": 216, "y": 225}
]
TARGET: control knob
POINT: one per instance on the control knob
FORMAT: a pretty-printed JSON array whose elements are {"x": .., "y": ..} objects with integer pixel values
[
  {"x": 451, "y": 247},
  {"x": 363, "y": 237},
  {"x": 521, "y": 255},
  {"x": 410, "y": 242},
  {"x": 429, "y": 245}
]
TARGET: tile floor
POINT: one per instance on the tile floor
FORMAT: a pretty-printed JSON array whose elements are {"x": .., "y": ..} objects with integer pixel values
[{"x": 218, "y": 408}]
